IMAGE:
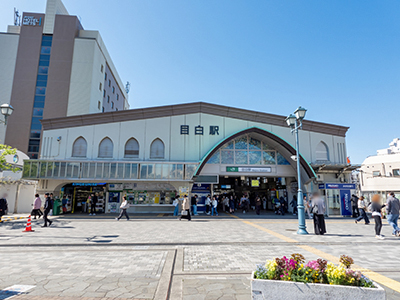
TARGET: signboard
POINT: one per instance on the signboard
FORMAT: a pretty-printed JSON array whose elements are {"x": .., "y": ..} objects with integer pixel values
[
  {"x": 115, "y": 186},
  {"x": 113, "y": 197},
  {"x": 255, "y": 183},
  {"x": 87, "y": 184},
  {"x": 201, "y": 187},
  {"x": 130, "y": 186},
  {"x": 321, "y": 186},
  {"x": 225, "y": 186},
  {"x": 113, "y": 207},
  {"x": 31, "y": 21},
  {"x": 345, "y": 202},
  {"x": 249, "y": 169},
  {"x": 340, "y": 186}
]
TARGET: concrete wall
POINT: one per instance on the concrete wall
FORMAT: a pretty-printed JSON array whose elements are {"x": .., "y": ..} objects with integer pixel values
[{"x": 19, "y": 197}]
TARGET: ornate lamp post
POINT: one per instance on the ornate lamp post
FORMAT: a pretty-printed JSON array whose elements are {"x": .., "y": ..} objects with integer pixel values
[
  {"x": 295, "y": 123},
  {"x": 6, "y": 111}
]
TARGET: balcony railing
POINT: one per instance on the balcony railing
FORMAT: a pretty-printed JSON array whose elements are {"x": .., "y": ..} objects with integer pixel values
[{"x": 99, "y": 170}]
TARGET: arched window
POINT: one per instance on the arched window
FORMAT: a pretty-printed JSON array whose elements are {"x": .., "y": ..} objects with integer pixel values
[
  {"x": 132, "y": 148},
  {"x": 322, "y": 152},
  {"x": 79, "y": 148},
  {"x": 157, "y": 149},
  {"x": 106, "y": 148}
]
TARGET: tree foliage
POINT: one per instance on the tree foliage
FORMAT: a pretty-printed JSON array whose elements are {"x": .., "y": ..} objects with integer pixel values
[{"x": 4, "y": 151}]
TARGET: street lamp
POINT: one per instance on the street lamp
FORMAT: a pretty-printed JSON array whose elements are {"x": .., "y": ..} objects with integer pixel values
[
  {"x": 295, "y": 123},
  {"x": 6, "y": 111}
]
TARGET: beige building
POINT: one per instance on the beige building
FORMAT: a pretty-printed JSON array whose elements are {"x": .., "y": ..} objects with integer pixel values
[
  {"x": 381, "y": 173},
  {"x": 52, "y": 68}
]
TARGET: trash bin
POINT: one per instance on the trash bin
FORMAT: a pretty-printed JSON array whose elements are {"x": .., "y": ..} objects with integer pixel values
[{"x": 57, "y": 207}]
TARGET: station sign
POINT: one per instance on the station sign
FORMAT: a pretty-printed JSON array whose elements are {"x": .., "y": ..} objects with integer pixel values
[
  {"x": 337, "y": 186},
  {"x": 249, "y": 169}
]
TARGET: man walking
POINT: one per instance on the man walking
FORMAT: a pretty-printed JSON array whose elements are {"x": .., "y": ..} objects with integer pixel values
[
  {"x": 194, "y": 205},
  {"x": 354, "y": 204},
  {"x": 392, "y": 209},
  {"x": 362, "y": 207},
  {"x": 93, "y": 203},
  {"x": 48, "y": 205}
]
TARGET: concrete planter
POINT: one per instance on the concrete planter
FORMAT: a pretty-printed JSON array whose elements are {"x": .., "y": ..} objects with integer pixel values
[{"x": 276, "y": 289}]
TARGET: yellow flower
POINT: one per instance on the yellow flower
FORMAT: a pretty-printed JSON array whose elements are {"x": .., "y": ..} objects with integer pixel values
[{"x": 306, "y": 278}]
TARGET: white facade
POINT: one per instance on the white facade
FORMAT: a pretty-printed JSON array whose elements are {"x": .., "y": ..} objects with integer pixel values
[
  {"x": 8, "y": 50},
  {"x": 381, "y": 173}
]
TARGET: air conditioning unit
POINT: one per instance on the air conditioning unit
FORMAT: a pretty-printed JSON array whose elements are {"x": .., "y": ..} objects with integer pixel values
[{"x": 320, "y": 177}]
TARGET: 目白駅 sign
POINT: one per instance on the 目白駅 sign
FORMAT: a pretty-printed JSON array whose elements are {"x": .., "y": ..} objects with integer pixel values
[{"x": 249, "y": 169}]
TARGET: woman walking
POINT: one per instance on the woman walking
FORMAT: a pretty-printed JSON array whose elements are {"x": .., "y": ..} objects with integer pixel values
[
  {"x": 185, "y": 209},
  {"x": 37, "y": 204},
  {"x": 376, "y": 209},
  {"x": 318, "y": 210},
  {"x": 258, "y": 205},
  {"x": 176, "y": 204},
  {"x": 362, "y": 207},
  {"x": 124, "y": 206}
]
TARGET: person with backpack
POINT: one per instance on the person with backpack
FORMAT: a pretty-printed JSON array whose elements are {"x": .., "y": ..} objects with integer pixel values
[
  {"x": 393, "y": 209},
  {"x": 362, "y": 207},
  {"x": 318, "y": 210}
]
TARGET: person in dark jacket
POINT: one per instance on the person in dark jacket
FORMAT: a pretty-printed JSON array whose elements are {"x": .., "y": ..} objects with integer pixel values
[
  {"x": 48, "y": 205},
  {"x": 93, "y": 203},
  {"x": 293, "y": 203},
  {"x": 393, "y": 210},
  {"x": 354, "y": 205},
  {"x": 376, "y": 209},
  {"x": 3, "y": 206},
  {"x": 283, "y": 205},
  {"x": 258, "y": 205}
]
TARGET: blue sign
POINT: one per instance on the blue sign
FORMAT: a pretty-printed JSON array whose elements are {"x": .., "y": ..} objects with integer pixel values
[
  {"x": 340, "y": 186},
  {"x": 345, "y": 202},
  {"x": 113, "y": 197},
  {"x": 87, "y": 184},
  {"x": 321, "y": 186},
  {"x": 201, "y": 188}
]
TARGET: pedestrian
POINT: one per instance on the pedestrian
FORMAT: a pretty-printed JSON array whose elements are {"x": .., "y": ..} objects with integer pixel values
[
  {"x": 376, "y": 209},
  {"x": 175, "y": 203},
  {"x": 3, "y": 206},
  {"x": 392, "y": 210},
  {"x": 194, "y": 205},
  {"x": 185, "y": 214},
  {"x": 225, "y": 202},
  {"x": 208, "y": 205},
  {"x": 232, "y": 205},
  {"x": 354, "y": 204},
  {"x": 306, "y": 207},
  {"x": 37, "y": 204},
  {"x": 258, "y": 205},
  {"x": 214, "y": 207},
  {"x": 244, "y": 203},
  {"x": 93, "y": 203},
  {"x": 362, "y": 208},
  {"x": 283, "y": 205},
  {"x": 293, "y": 203},
  {"x": 276, "y": 204},
  {"x": 123, "y": 207},
  {"x": 318, "y": 210},
  {"x": 48, "y": 205}
]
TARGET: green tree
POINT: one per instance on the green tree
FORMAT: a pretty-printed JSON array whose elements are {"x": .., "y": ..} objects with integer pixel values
[{"x": 4, "y": 151}]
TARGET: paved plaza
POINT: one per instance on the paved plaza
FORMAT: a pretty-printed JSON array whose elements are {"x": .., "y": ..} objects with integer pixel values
[{"x": 160, "y": 257}]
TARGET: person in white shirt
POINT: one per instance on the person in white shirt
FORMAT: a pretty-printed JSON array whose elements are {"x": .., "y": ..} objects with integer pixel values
[
  {"x": 124, "y": 206},
  {"x": 214, "y": 206},
  {"x": 362, "y": 207},
  {"x": 208, "y": 204}
]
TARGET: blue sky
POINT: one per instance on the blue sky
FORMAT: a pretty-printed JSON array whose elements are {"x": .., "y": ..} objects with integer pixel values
[{"x": 339, "y": 59}]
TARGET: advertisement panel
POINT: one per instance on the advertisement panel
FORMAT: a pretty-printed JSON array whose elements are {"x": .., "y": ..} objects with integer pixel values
[{"x": 345, "y": 202}]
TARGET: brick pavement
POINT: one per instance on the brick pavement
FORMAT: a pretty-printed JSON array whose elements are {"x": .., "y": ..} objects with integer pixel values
[{"x": 210, "y": 258}]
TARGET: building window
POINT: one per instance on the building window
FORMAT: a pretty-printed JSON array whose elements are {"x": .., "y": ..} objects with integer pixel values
[
  {"x": 101, "y": 69},
  {"x": 157, "y": 149},
  {"x": 105, "y": 76},
  {"x": 79, "y": 148},
  {"x": 99, "y": 105},
  {"x": 112, "y": 104},
  {"x": 113, "y": 90},
  {"x": 322, "y": 152},
  {"x": 117, "y": 96},
  {"x": 106, "y": 148},
  {"x": 108, "y": 99},
  {"x": 104, "y": 93},
  {"x": 132, "y": 148},
  {"x": 103, "y": 109},
  {"x": 396, "y": 172},
  {"x": 100, "y": 86},
  {"x": 109, "y": 82},
  {"x": 376, "y": 173}
]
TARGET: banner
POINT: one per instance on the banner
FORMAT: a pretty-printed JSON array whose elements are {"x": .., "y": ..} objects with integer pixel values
[{"x": 345, "y": 202}]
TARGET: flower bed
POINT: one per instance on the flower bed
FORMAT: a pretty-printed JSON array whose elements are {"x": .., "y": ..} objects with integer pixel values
[{"x": 314, "y": 278}]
